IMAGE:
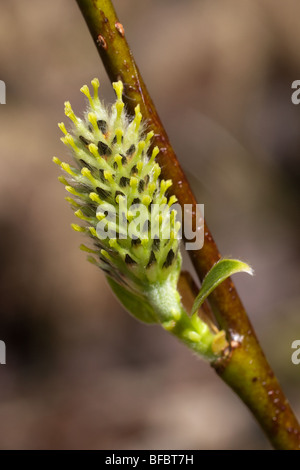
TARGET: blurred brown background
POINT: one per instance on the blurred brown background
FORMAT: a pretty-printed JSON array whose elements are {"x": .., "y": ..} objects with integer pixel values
[{"x": 81, "y": 373}]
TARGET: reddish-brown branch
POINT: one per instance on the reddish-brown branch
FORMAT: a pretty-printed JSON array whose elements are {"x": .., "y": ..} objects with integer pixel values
[{"x": 246, "y": 370}]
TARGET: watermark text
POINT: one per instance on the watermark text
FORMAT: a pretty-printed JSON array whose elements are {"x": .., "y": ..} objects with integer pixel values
[
  {"x": 2, "y": 92},
  {"x": 140, "y": 221},
  {"x": 2, "y": 352},
  {"x": 296, "y": 354}
]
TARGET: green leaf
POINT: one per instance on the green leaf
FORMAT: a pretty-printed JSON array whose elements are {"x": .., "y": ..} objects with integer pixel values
[
  {"x": 218, "y": 273},
  {"x": 136, "y": 305}
]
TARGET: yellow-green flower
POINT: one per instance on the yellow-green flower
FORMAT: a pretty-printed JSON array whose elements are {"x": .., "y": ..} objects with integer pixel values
[{"x": 123, "y": 210}]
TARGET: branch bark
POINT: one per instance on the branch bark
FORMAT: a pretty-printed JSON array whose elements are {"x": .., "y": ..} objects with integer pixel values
[{"x": 246, "y": 370}]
